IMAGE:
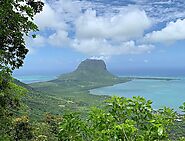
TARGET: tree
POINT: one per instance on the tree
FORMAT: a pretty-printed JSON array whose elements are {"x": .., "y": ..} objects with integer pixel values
[
  {"x": 16, "y": 21},
  {"x": 123, "y": 119}
]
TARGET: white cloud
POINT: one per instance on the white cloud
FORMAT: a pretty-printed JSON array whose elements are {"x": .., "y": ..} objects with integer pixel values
[
  {"x": 173, "y": 31},
  {"x": 33, "y": 43},
  {"x": 59, "y": 39},
  {"x": 99, "y": 47},
  {"x": 122, "y": 26},
  {"x": 53, "y": 26},
  {"x": 39, "y": 41},
  {"x": 63, "y": 24},
  {"x": 48, "y": 18},
  {"x": 100, "y": 57},
  {"x": 67, "y": 9}
]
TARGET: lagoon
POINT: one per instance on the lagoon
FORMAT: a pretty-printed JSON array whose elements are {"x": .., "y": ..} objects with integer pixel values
[{"x": 161, "y": 92}]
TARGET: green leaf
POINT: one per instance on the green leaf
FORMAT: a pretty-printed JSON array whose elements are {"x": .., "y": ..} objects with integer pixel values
[
  {"x": 34, "y": 36},
  {"x": 160, "y": 131}
]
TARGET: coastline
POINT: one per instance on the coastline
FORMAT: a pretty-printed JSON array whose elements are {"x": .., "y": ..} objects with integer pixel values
[
  {"x": 125, "y": 79},
  {"x": 78, "y": 94},
  {"x": 156, "y": 78},
  {"x": 31, "y": 79}
]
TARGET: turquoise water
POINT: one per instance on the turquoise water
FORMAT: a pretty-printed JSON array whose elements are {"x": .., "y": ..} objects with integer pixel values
[
  {"x": 162, "y": 93},
  {"x": 35, "y": 78}
]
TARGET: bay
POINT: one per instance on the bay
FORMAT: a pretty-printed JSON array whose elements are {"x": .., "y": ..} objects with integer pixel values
[{"x": 161, "y": 92}]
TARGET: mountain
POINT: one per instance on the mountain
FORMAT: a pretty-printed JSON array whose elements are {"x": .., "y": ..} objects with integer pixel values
[
  {"x": 91, "y": 65},
  {"x": 90, "y": 70},
  {"x": 72, "y": 90}
]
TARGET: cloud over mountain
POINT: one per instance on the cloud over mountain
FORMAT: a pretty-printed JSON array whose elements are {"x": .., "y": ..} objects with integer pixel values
[
  {"x": 100, "y": 47},
  {"x": 122, "y": 26}
]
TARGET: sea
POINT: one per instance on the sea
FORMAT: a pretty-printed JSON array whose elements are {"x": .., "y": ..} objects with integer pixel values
[
  {"x": 161, "y": 92},
  {"x": 28, "y": 79}
]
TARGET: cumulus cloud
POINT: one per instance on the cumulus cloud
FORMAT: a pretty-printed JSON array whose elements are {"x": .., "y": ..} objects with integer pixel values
[
  {"x": 59, "y": 39},
  {"x": 108, "y": 35},
  {"x": 40, "y": 41},
  {"x": 123, "y": 26},
  {"x": 48, "y": 18},
  {"x": 67, "y": 9},
  {"x": 173, "y": 31},
  {"x": 53, "y": 27},
  {"x": 99, "y": 47},
  {"x": 100, "y": 57},
  {"x": 72, "y": 24}
]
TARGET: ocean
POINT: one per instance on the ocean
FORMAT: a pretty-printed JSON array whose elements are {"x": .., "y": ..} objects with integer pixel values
[
  {"x": 162, "y": 93},
  {"x": 27, "y": 79}
]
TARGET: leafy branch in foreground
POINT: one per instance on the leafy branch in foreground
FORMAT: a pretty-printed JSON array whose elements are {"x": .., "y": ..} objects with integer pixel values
[
  {"x": 122, "y": 119},
  {"x": 15, "y": 22}
]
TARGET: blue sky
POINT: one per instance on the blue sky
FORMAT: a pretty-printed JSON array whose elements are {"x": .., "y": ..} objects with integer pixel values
[{"x": 132, "y": 36}]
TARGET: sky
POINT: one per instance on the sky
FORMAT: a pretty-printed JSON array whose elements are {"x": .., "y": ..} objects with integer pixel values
[{"x": 133, "y": 37}]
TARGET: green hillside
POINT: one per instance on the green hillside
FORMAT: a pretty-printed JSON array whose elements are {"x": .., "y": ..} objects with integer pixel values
[
  {"x": 89, "y": 74},
  {"x": 22, "y": 84},
  {"x": 90, "y": 71},
  {"x": 71, "y": 91}
]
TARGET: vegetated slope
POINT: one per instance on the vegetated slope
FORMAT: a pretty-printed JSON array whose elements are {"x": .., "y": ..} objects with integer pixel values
[
  {"x": 89, "y": 74},
  {"x": 19, "y": 83},
  {"x": 90, "y": 71},
  {"x": 38, "y": 102},
  {"x": 71, "y": 91}
]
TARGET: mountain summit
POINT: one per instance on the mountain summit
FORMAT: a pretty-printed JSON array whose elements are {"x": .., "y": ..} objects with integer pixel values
[
  {"x": 90, "y": 70},
  {"x": 92, "y": 65}
]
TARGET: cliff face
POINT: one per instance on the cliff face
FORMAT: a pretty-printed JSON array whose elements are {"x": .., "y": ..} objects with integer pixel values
[
  {"x": 92, "y": 65},
  {"x": 90, "y": 70}
]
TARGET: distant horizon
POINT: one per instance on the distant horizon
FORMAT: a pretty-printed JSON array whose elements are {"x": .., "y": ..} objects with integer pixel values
[
  {"x": 116, "y": 71},
  {"x": 165, "y": 73},
  {"x": 40, "y": 77},
  {"x": 129, "y": 35}
]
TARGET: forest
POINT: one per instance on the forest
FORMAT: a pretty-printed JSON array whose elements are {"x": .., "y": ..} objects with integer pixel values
[{"x": 63, "y": 109}]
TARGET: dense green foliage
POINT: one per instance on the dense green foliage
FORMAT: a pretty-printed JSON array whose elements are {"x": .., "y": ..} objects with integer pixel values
[
  {"x": 118, "y": 119},
  {"x": 9, "y": 105},
  {"x": 16, "y": 21},
  {"x": 123, "y": 119}
]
